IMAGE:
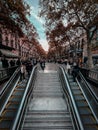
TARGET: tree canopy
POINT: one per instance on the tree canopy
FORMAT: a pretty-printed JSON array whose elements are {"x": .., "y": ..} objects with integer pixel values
[
  {"x": 13, "y": 13},
  {"x": 81, "y": 14}
]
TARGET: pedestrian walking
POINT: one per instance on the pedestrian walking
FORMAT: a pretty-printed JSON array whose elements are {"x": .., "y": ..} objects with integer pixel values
[
  {"x": 5, "y": 63},
  {"x": 22, "y": 72},
  {"x": 18, "y": 62},
  {"x": 34, "y": 61},
  {"x": 68, "y": 68},
  {"x": 12, "y": 63},
  {"x": 28, "y": 67},
  {"x": 75, "y": 71},
  {"x": 42, "y": 64}
]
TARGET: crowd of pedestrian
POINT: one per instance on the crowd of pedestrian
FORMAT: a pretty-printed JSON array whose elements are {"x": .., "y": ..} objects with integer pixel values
[
  {"x": 27, "y": 65},
  {"x": 6, "y": 63}
]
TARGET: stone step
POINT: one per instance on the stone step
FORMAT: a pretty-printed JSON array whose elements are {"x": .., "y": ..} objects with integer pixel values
[
  {"x": 48, "y": 124},
  {"x": 47, "y": 94},
  {"x": 47, "y": 119},
  {"x": 49, "y": 128},
  {"x": 48, "y": 112}
]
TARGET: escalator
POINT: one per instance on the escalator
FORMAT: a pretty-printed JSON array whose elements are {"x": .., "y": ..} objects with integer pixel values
[
  {"x": 48, "y": 108},
  {"x": 8, "y": 87},
  {"x": 13, "y": 105},
  {"x": 86, "y": 103},
  {"x": 49, "y": 100}
]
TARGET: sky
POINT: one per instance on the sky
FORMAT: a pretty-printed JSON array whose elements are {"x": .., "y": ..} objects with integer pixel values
[{"x": 38, "y": 22}]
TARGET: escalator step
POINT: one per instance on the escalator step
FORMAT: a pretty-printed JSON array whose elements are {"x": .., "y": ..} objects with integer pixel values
[
  {"x": 12, "y": 106},
  {"x": 18, "y": 93},
  {"x": 6, "y": 124},
  {"x": 82, "y": 103},
  {"x": 79, "y": 97},
  {"x": 85, "y": 111},
  {"x": 77, "y": 91},
  {"x": 91, "y": 127},
  {"x": 88, "y": 119}
]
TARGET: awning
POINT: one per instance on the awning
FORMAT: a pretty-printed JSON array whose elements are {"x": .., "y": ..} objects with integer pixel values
[{"x": 8, "y": 54}]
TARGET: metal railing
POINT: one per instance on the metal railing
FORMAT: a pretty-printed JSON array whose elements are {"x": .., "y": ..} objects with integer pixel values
[
  {"x": 75, "y": 113},
  {"x": 10, "y": 81}
]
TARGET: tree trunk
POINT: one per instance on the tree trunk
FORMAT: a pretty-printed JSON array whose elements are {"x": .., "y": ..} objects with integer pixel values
[{"x": 89, "y": 54}]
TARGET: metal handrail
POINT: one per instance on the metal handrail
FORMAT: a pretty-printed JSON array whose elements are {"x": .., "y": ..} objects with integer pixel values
[
  {"x": 8, "y": 89},
  {"x": 79, "y": 122},
  {"x": 5, "y": 73},
  {"x": 9, "y": 81},
  {"x": 69, "y": 102},
  {"x": 90, "y": 96},
  {"x": 23, "y": 102},
  {"x": 89, "y": 88}
]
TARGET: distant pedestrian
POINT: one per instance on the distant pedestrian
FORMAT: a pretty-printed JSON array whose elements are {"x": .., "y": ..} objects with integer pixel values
[
  {"x": 22, "y": 72},
  {"x": 34, "y": 61},
  {"x": 42, "y": 64},
  {"x": 12, "y": 63},
  {"x": 75, "y": 71},
  {"x": 68, "y": 68},
  {"x": 5, "y": 63},
  {"x": 18, "y": 62},
  {"x": 28, "y": 67}
]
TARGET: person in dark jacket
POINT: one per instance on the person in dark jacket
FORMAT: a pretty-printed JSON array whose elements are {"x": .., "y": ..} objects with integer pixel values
[
  {"x": 28, "y": 67},
  {"x": 12, "y": 63},
  {"x": 75, "y": 71},
  {"x": 42, "y": 64},
  {"x": 18, "y": 62},
  {"x": 5, "y": 63}
]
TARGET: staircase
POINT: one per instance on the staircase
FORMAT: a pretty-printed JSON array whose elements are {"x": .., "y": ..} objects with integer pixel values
[{"x": 47, "y": 109}]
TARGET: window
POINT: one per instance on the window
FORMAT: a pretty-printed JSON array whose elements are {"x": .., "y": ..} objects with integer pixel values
[
  {"x": 12, "y": 43},
  {"x": 16, "y": 45},
  {"x": 6, "y": 41}
]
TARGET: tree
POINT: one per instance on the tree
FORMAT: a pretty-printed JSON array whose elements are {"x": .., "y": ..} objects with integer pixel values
[
  {"x": 13, "y": 14},
  {"x": 51, "y": 12},
  {"x": 57, "y": 37},
  {"x": 83, "y": 13}
]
